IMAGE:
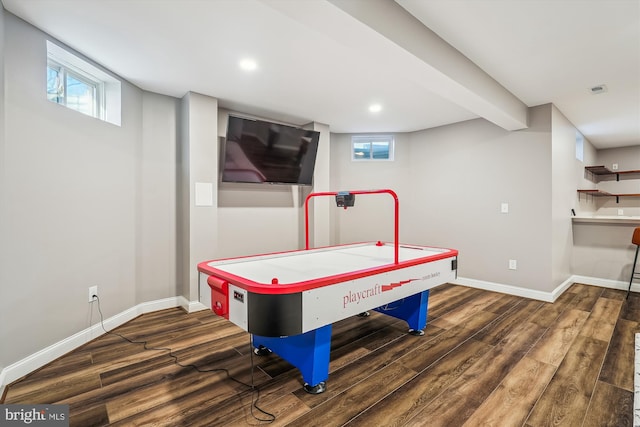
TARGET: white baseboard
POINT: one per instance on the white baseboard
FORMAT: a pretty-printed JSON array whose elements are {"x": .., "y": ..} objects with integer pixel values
[
  {"x": 49, "y": 354},
  {"x": 196, "y": 306},
  {"x": 606, "y": 283},
  {"x": 510, "y": 289},
  {"x": 545, "y": 296},
  {"x": 37, "y": 360}
]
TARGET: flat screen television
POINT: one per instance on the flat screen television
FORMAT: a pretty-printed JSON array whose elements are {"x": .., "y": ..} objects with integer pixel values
[{"x": 257, "y": 151}]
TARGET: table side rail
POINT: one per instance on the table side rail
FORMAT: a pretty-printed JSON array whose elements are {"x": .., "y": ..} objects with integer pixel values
[{"x": 301, "y": 286}]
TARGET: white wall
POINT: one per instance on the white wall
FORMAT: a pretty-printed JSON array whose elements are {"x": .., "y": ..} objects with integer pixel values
[{"x": 84, "y": 201}]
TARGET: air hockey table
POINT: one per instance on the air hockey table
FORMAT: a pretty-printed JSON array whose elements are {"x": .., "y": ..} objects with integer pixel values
[{"x": 289, "y": 300}]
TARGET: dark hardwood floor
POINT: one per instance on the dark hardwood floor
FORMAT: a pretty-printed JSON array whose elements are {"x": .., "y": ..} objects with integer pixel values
[{"x": 486, "y": 359}]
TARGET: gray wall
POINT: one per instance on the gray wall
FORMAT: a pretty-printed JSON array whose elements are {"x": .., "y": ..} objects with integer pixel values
[
  {"x": 604, "y": 250},
  {"x": 2, "y": 147},
  {"x": 252, "y": 218},
  {"x": 372, "y": 217},
  {"x": 255, "y": 219},
  {"x": 566, "y": 174},
  {"x": 4, "y": 245},
  {"x": 451, "y": 182},
  {"x": 85, "y": 203},
  {"x": 156, "y": 203},
  {"x": 627, "y": 158},
  {"x": 472, "y": 168},
  {"x": 198, "y": 157}
]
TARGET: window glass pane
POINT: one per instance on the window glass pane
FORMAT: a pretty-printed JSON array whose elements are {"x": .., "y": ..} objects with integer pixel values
[
  {"x": 55, "y": 86},
  {"x": 80, "y": 96},
  {"x": 361, "y": 150},
  {"x": 82, "y": 86},
  {"x": 372, "y": 147},
  {"x": 380, "y": 150}
]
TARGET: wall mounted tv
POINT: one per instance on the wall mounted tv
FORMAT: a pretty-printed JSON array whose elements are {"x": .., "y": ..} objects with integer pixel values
[{"x": 263, "y": 152}]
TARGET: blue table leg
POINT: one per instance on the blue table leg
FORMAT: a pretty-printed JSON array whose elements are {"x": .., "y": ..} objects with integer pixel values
[
  {"x": 412, "y": 309},
  {"x": 309, "y": 352}
]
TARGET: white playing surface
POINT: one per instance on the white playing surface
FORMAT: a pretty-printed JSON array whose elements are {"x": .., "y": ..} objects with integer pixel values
[{"x": 302, "y": 266}]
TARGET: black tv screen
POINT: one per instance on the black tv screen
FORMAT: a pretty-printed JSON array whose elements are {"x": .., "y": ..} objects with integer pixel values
[{"x": 263, "y": 152}]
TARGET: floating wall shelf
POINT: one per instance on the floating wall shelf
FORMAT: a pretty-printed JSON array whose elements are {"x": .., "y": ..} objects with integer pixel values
[
  {"x": 598, "y": 193},
  {"x": 604, "y": 171}
]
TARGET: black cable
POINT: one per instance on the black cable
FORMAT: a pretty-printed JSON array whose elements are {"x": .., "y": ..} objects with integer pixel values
[{"x": 251, "y": 386}]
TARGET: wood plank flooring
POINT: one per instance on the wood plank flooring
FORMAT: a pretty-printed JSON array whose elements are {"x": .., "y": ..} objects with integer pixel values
[{"x": 485, "y": 359}]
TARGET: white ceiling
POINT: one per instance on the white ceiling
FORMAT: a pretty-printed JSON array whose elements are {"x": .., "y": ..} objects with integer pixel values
[{"x": 328, "y": 60}]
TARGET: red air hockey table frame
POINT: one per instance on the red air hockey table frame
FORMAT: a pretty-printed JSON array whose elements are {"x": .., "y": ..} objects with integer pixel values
[{"x": 289, "y": 300}]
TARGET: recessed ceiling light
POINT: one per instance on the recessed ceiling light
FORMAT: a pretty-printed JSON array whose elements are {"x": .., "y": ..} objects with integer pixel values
[
  {"x": 375, "y": 108},
  {"x": 248, "y": 64}
]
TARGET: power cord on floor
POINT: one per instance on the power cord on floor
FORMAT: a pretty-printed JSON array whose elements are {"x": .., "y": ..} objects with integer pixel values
[{"x": 251, "y": 386}]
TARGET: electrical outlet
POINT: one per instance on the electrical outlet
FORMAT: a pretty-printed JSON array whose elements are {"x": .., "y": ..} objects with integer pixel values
[
  {"x": 614, "y": 167},
  {"x": 620, "y": 212},
  {"x": 504, "y": 207},
  {"x": 513, "y": 264},
  {"x": 93, "y": 290}
]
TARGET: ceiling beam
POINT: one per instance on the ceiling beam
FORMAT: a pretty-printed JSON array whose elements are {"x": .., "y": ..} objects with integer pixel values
[{"x": 438, "y": 66}]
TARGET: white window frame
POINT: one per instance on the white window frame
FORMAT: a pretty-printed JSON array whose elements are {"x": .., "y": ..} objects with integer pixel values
[
  {"x": 65, "y": 71},
  {"x": 355, "y": 139},
  {"x": 579, "y": 146},
  {"x": 107, "y": 89}
]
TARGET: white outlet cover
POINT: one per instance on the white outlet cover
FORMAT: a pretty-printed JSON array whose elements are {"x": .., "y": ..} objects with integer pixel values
[
  {"x": 504, "y": 207},
  {"x": 614, "y": 166},
  {"x": 93, "y": 290}
]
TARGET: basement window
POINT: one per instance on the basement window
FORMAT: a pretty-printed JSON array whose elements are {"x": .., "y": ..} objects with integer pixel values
[
  {"x": 372, "y": 147},
  {"x": 579, "y": 146},
  {"x": 81, "y": 86}
]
